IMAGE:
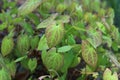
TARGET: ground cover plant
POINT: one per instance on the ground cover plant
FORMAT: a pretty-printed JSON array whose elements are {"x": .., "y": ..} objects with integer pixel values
[{"x": 58, "y": 40}]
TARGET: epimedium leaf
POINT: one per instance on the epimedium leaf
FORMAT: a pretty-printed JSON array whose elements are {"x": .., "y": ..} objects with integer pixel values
[
  {"x": 63, "y": 19},
  {"x": 12, "y": 68},
  {"x": 32, "y": 64},
  {"x": 89, "y": 54},
  {"x": 23, "y": 43},
  {"x": 94, "y": 37},
  {"x": 107, "y": 75},
  {"x": 65, "y": 48},
  {"x": 107, "y": 39},
  {"x": 52, "y": 60},
  {"x": 4, "y": 75},
  {"x": 28, "y": 7},
  {"x": 76, "y": 61},
  {"x": 7, "y": 45},
  {"x": 42, "y": 45},
  {"x": 3, "y": 26},
  {"x": 47, "y": 22},
  {"x": 54, "y": 34},
  {"x": 68, "y": 59},
  {"x": 101, "y": 27},
  {"x": 27, "y": 27},
  {"x": 34, "y": 41}
]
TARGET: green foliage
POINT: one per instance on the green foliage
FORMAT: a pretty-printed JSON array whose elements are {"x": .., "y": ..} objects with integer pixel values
[{"x": 56, "y": 37}]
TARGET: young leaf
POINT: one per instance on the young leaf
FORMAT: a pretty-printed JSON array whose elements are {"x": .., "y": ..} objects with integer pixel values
[
  {"x": 4, "y": 75},
  {"x": 89, "y": 54},
  {"x": 63, "y": 19},
  {"x": 42, "y": 45},
  {"x": 107, "y": 75},
  {"x": 54, "y": 34},
  {"x": 32, "y": 63},
  {"x": 95, "y": 37},
  {"x": 12, "y": 68},
  {"x": 47, "y": 22},
  {"x": 34, "y": 42},
  {"x": 3, "y": 26},
  {"x": 28, "y": 7}
]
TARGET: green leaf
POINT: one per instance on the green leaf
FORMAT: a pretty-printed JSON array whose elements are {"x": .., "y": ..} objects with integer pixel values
[
  {"x": 12, "y": 68},
  {"x": 107, "y": 39},
  {"x": 27, "y": 27},
  {"x": 32, "y": 64},
  {"x": 7, "y": 45},
  {"x": 76, "y": 61},
  {"x": 101, "y": 27},
  {"x": 52, "y": 60},
  {"x": 63, "y": 19},
  {"x": 42, "y": 45},
  {"x": 94, "y": 37},
  {"x": 3, "y": 26},
  {"x": 89, "y": 54},
  {"x": 47, "y": 22},
  {"x": 28, "y": 7},
  {"x": 23, "y": 43},
  {"x": 107, "y": 75},
  {"x": 64, "y": 48},
  {"x": 20, "y": 59},
  {"x": 4, "y": 75},
  {"x": 54, "y": 34},
  {"x": 68, "y": 59},
  {"x": 34, "y": 41}
]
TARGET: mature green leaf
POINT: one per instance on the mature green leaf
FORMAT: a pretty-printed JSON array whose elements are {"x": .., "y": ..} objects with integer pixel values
[
  {"x": 64, "y": 48},
  {"x": 68, "y": 59},
  {"x": 107, "y": 75},
  {"x": 28, "y": 7},
  {"x": 32, "y": 64},
  {"x": 76, "y": 61},
  {"x": 54, "y": 34},
  {"x": 89, "y": 54}
]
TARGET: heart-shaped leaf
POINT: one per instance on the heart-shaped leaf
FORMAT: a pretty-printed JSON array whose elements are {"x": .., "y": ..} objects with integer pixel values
[
  {"x": 89, "y": 54},
  {"x": 54, "y": 34},
  {"x": 107, "y": 75},
  {"x": 52, "y": 60}
]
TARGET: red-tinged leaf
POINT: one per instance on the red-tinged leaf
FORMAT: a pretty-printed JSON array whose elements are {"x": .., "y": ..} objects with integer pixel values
[
  {"x": 89, "y": 54},
  {"x": 54, "y": 34},
  {"x": 28, "y": 6}
]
